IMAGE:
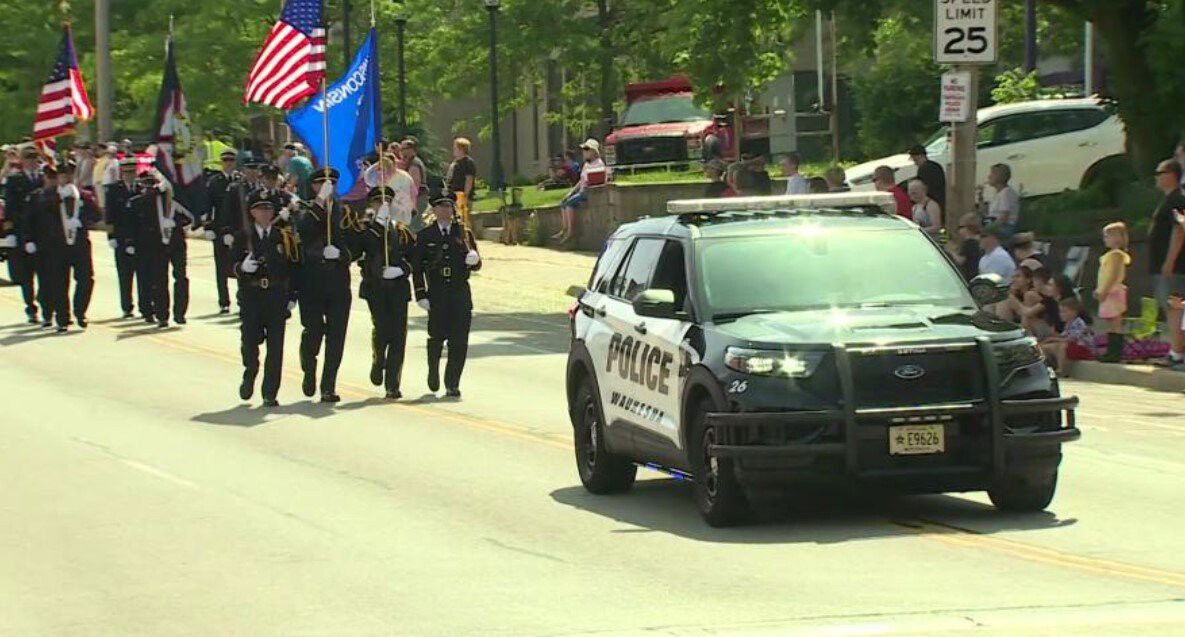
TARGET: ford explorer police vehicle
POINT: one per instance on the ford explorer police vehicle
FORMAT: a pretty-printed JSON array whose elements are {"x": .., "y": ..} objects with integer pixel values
[{"x": 750, "y": 344}]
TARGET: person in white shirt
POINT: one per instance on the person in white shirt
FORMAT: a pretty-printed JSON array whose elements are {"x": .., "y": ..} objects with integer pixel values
[
  {"x": 1004, "y": 208},
  {"x": 578, "y": 195},
  {"x": 796, "y": 184},
  {"x": 926, "y": 212},
  {"x": 995, "y": 259}
]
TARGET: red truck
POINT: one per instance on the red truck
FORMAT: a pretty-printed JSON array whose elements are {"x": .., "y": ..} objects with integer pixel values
[{"x": 663, "y": 125}]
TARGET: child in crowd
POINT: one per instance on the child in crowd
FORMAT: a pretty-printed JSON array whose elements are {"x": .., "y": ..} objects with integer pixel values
[
  {"x": 1111, "y": 292},
  {"x": 1076, "y": 342},
  {"x": 1012, "y": 308}
]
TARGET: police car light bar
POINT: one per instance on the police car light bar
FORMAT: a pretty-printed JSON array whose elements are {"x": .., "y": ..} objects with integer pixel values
[{"x": 827, "y": 201}]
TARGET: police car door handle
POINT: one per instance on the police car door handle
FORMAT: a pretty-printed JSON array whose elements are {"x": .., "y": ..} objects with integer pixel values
[
  {"x": 600, "y": 311},
  {"x": 640, "y": 328}
]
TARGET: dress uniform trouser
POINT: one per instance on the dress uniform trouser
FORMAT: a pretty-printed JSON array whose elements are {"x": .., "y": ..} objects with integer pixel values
[
  {"x": 264, "y": 315},
  {"x": 450, "y": 313},
  {"x": 222, "y": 270},
  {"x": 162, "y": 259},
  {"x": 75, "y": 260},
  {"x": 388, "y": 311},
  {"x": 324, "y": 313},
  {"x": 21, "y": 267},
  {"x": 125, "y": 268}
]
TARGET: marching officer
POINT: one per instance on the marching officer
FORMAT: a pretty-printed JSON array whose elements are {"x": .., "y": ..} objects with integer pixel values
[
  {"x": 57, "y": 232},
  {"x": 445, "y": 253},
  {"x": 328, "y": 235},
  {"x": 19, "y": 187},
  {"x": 264, "y": 258},
  {"x": 122, "y": 227},
  {"x": 222, "y": 222},
  {"x": 160, "y": 246},
  {"x": 386, "y": 271}
]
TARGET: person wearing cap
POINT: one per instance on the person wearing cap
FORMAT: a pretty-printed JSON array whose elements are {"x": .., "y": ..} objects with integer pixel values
[
  {"x": 324, "y": 285},
  {"x": 592, "y": 170},
  {"x": 264, "y": 258},
  {"x": 444, "y": 254},
  {"x": 1024, "y": 246},
  {"x": 57, "y": 227},
  {"x": 386, "y": 246},
  {"x": 161, "y": 248},
  {"x": 930, "y": 173},
  {"x": 123, "y": 228},
  {"x": 221, "y": 222},
  {"x": 19, "y": 187}
]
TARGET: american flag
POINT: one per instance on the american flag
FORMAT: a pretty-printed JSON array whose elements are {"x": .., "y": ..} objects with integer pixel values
[
  {"x": 63, "y": 98},
  {"x": 291, "y": 64}
]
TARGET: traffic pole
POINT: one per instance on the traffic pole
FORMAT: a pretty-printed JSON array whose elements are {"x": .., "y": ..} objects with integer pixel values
[{"x": 961, "y": 181}]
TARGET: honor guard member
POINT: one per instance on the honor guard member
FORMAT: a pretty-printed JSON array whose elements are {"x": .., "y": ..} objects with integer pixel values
[
  {"x": 444, "y": 255},
  {"x": 264, "y": 259},
  {"x": 18, "y": 189},
  {"x": 57, "y": 233},
  {"x": 387, "y": 245},
  {"x": 121, "y": 236},
  {"x": 160, "y": 247},
  {"x": 328, "y": 234},
  {"x": 221, "y": 224}
]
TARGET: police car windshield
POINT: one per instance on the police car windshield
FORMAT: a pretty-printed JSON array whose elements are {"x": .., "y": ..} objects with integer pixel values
[{"x": 813, "y": 267}]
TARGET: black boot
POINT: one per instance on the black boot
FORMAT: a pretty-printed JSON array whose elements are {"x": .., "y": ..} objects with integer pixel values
[{"x": 1114, "y": 349}]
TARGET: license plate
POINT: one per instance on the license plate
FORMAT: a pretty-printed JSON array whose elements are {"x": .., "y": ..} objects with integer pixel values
[{"x": 913, "y": 440}]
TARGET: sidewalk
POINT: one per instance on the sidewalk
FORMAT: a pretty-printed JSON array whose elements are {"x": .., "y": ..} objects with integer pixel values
[{"x": 1147, "y": 376}]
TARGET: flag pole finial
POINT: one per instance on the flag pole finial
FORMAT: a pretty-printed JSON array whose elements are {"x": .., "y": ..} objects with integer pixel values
[{"x": 170, "y": 24}]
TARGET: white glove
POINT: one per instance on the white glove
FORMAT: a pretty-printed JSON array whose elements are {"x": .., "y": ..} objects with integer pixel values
[
  {"x": 167, "y": 222},
  {"x": 209, "y": 235},
  {"x": 291, "y": 306},
  {"x": 31, "y": 248},
  {"x": 250, "y": 265},
  {"x": 228, "y": 240},
  {"x": 113, "y": 243},
  {"x": 423, "y": 303},
  {"x": 161, "y": 186},
  {"x": 8, "y": 242},
  {"x": 285, "y": 214},
  {"x": 472, "y": 258},
  {"x": 392, "y": 272},
  {"x": 131, "y": 250},
  {"x": 383, "y": 214},
  {"x": 74, "y": 222},
  {"x": 331, "y": 253},
  {"x": 326, "y": 191}
]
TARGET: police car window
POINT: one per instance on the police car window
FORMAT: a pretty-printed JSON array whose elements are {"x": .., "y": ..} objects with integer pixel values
[
  {"x": 606, "y": 264},
  {"x": 634, "y": 275},
  {"x": 671, "y": 274}
]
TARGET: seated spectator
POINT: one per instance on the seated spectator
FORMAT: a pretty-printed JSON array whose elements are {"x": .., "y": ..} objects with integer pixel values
[
  {"x": 735, "y": 176},
  {"x": 1076, "y": 341},
  {"x": 1039, "y": 314},
  {"x": 1013, "y": 308},
  {"x": 761, "y": 184},
  {"x": 817, "y": 186},
  {"x": 1004, "y": 208},
  {"x": 837, "y": 179},
  {"x": 714, "y": 171},
  {"x": 593, "y": 173},
  {"x": 796, "y": 184},
  {"x": 1024, "y": 246},
  {"x": 926, "y": 212},
  {"x": 965, "y": 250},
  {"x": 559, "y": 175},
  {"x": 995, "y": 259},
  {"x": 883, "y": 178}
]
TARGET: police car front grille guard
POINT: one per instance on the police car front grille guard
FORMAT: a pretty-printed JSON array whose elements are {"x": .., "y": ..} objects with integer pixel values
[{"x": 733, "y": 427}]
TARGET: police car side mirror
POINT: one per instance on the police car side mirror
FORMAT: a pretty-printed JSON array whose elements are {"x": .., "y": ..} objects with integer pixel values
[
  {"x": 655, "y": 303},
  {"x": 577, "y": 291},
  {"x": 987, "y": 289}
]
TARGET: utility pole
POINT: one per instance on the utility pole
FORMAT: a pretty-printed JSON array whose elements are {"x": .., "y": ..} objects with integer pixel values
[
  {"x": 346, "y": 51},
  {"x": 608, "y": 59},
  {"x": 495, "y": 121},
  {"x": 1088, "y": 61},
  {"x": 103, "y": 68},
  {"x": 960, "y": 187},
  {"x": 1030, "y": 35},
  {"x": 833, "y": 104}
]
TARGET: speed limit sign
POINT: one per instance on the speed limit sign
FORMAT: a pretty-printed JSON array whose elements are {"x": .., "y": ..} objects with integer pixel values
[{"x": 965, "y": 31}]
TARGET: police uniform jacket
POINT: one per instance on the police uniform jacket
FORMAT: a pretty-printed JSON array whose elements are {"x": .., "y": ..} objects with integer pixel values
[
  {"x": 439, "y": 259},
  {"x": 276, "y": 257},
  {"x": 45, "y": 226},
  {"x": 148, "y": 229},
  {"x": 220, "y": 218},
  {"x": 121, "y": 219},
  {"x": 18, "y": 189},
  {"x": 311, "y": 228},
  {"x": 384, "y": 245},
  {"x": 231, "y": 216}
]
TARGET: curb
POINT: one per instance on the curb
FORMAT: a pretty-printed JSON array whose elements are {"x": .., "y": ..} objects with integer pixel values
[{"x": 1145, "y": 376}]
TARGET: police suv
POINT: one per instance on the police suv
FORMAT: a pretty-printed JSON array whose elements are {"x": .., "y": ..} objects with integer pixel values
[{"x": 750, "y": 344}]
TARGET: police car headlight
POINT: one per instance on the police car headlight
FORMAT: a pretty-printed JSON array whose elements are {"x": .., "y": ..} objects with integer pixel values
[
  {"x": 1020, "y": 353},
  {"x": 762, "y": 362}
]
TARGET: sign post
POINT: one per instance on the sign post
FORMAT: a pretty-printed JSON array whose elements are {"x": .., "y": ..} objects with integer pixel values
[{"x": 965, "y": 37}]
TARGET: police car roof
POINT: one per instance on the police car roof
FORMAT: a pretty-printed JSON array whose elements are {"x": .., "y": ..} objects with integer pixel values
[{"x": 826, "y": 201}]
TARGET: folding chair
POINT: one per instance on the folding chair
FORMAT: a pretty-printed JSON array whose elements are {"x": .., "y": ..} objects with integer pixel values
[{"x": 1076, "y": 258}]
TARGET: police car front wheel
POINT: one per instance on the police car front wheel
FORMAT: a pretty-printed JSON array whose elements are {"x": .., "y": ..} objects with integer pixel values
[
  {"x": 721, "y": 499},
  {"x": 1024, "y": 494},
  {"x": 601, "y": 471}
]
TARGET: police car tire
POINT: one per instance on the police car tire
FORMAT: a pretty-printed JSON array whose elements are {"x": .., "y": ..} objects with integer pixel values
[
  {"x": 601, "y": 472},
  {"x": 1023, "y": 494},
  {"x": 721, "y": 499}
]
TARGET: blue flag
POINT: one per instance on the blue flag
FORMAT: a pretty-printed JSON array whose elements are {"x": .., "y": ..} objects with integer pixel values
[{"x": 354, "y": 117}]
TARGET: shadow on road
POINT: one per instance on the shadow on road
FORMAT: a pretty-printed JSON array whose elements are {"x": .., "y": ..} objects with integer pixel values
[
  {"x": 33, "y": 334},
  {"x": 667, "y": 506},
  {"x": 146, "y": 331},
  {"x": 245, "y": 415},
  {"x": 521, "y": 333}
]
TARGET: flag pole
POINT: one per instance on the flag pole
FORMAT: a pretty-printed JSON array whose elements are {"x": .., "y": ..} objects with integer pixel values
[
  {"x": 325, "y": 130},
  {"x": 383, "y": 195}
]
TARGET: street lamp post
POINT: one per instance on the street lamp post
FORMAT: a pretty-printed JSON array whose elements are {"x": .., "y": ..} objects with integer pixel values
[
  {"x": 400, "y": 25},
  {"x": 496, "y": 178}
]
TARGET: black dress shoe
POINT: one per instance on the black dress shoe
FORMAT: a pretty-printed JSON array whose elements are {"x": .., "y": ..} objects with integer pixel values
[
  {"x": 376, "y": 375},
  {"x": 33, "y": 320},
  {"x": 162, "y": 324},
  {"x": 433, "y": 379},
  {"x": 271, "y": 402},
  {"x": 82, "y": 323},
  {"x": 247, "y": 389},
  {"x": 180, "y": 320},
  {"x": 128, "y": 315},
  {"x": 148, "y": 318},
  {"x": 453, "y": 393},
  {"x": 327, "y": 397},
  {"x": 393, "y": 394},
  {"x": 62, "y": 329},
  {"x": 46, "y": 324},
  {"x": 309, "y": 385},
  {"x": 224, "y": 310}
]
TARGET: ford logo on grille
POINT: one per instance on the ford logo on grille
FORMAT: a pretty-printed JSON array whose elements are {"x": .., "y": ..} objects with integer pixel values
[{"x": 909, "y": 372}]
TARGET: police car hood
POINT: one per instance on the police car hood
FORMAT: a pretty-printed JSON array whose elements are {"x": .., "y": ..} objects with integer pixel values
[{"x": 894, "y": 324}]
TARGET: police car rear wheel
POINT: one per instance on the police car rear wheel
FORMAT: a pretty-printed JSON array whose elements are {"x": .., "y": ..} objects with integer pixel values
[
  {"x": 601, "y": 472},
  {"x": 721, "y": 499},
  {"x": 1024, "y": 494}
]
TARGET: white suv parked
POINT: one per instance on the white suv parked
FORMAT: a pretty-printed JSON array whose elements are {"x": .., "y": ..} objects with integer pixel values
[{"x": 1051, "y": 146}]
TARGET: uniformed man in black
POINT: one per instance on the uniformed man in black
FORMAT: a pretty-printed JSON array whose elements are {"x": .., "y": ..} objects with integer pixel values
[
  {"x": 161, "y": 247},
  {"x": 445, "y": 253},
  {"x": 223, "y": 222},
  {"x": 121, "y": 236},
  {"x": 57, "y": 232},
  {"x": 264, "y": 259},
  {"x": 18, "y": 188},
  {"x": 386, "y": 285},
  {"x": 328, "y": 248}
]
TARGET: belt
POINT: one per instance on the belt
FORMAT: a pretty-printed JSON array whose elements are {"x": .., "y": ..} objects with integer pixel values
[{"x": 263, "y": 283}]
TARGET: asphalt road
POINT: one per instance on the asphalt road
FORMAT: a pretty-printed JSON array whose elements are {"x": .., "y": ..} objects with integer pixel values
[{"x": 139, "y": 496}]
